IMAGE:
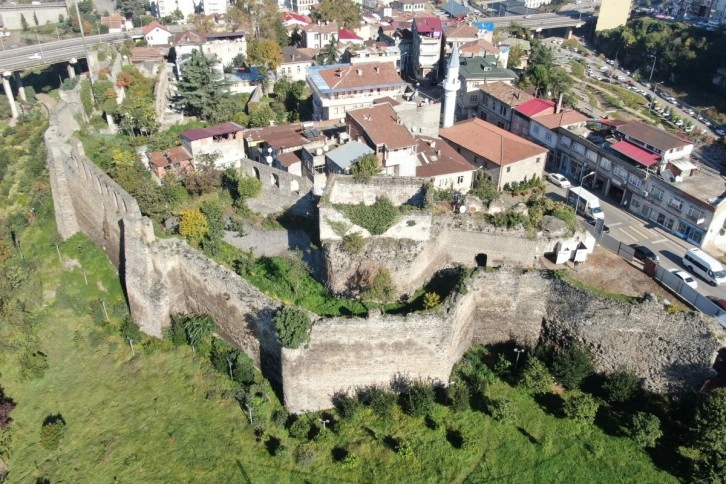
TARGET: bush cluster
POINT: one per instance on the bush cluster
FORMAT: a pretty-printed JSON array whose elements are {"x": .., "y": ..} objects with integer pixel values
[
  {"x": 52, "y": 431},
  {"x": 376, "y": 218},
  {"x": 293, "y": 326}
]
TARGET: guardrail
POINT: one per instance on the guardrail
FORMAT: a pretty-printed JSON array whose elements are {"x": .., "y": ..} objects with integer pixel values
[{"x": 665, "y": 277}]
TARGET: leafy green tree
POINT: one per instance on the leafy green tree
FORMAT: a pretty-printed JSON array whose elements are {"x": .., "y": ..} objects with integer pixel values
[
  {"x": 516, "y": 57},
  {"x": 329, "y": 55},
  {"x": 458, "y": 396},
  {"x": 193, "y": 225},
  {"x": 645, "y": 429},
  {"x": 582, "y": 408},
  {"x": 381, "y": 400},
  {"x": 262, "y": 116},
  {"x": 382, "y": 290},
  {"x": 535, "y": 377},
  {"x": 214, "y": 213},
  {"x": 501, "y": 409},
  {"x": 707, "y": 435},
  {"x": 300, "y": 428},
  {"x": 130, "y": 330},
  {"x": 295, "y": 37},
  {"x": 199, "y": 329},
  {"x": 621, "y": 385},
  {"x": 345, "y": 12},
  {"x": 202, "y": 87},
  {"x": 572, "y": 366},
  {"x": 347, "y": 406},
  {"x": 484, "y": 188},
  {"x": 137, "y": 116},
  {"x": 365, "y": 167},
  {"x": 248, "y": 187},
  {"x": 293, "y": 326},
  {"x": 23, "y": 22},
  {"x": 420, "y": 398},
  {"x": 431, "y": 300},
  {"x": 52, "y": 431}
]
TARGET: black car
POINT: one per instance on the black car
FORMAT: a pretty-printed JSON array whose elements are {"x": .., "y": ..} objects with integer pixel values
[{"x": 641, "y": 253}]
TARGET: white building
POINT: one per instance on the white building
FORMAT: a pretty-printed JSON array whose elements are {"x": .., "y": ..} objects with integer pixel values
[
  {"x": 165, "y": 8},
  {"x": 215, "y": 7},
  {"x": 156, "y": 34},
  {"x": 226, "y": 141},
  {"x": 294, "y": 64}
]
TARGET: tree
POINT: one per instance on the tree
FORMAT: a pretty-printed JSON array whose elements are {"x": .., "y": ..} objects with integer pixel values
[
  {"x": 420, "y": 398},
  {"x": 381, "y": 400},
  {"x": 261, "y": 116},
  {"x": 365, "y": 167},
  {"x": 345, "y": 12},
  {"x": 214, "y": 214},
  {"x": 582, "y": 408},
  {"x": 484, "y": 187},
  {"x": 202, "y": 87},
  {"x": 201, "y": 22},
  {"x": 329, "y": 55},
  {"x": 620, "y": 386},
  {"x": 382, "y": 290},
  {"x": 295, "y": 37},
  {"x": 6, "y": 406},
  {"x": 572, "y": 366},
  {"x": 293, "y": 327},
  {"x": 137, "y": 116},
  {"x": 23, "y": 22},
  {"x": 193, "y": 225},
  {"x": 501, "y": 409},
  {"x": 35, "y": 18},
  {"x": 431, "y": 300},
  {"x": 517, "y": 56},
  {"x": 458, "y": 396},
  {"x": 707, "y": 435},
  {"x": 645, "y": 429},
  {"x": 264, "y": 52},
  {"x": 236, "y": 17},
  {"x": 52, "y": 431},
  {"x": 535, "y": 377}
]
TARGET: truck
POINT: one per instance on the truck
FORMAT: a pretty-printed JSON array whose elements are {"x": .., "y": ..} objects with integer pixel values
[{"x": 585, "y": 203}]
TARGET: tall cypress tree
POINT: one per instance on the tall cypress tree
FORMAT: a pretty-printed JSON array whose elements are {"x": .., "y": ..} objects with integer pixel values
[{"x": 202, "y": 87}]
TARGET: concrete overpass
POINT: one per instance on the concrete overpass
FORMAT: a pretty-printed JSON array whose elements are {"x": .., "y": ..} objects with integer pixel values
[
  {"x": 12, "y": 61},
  {"x": 542, "y": 21}
]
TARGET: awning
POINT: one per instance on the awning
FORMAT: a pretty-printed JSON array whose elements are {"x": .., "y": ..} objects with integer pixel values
[
  {"x": 636, "y": 153},
  {"x": 683, "y": 164}
]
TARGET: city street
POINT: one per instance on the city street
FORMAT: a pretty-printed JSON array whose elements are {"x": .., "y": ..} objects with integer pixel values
[{"x": 630, "y": 229}]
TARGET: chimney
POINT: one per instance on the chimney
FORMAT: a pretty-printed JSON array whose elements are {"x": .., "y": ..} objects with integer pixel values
[
  {"x": 377, "y": 69},
  {"x": 559, "y": 104},
  {"x": 359, "y": 71}
]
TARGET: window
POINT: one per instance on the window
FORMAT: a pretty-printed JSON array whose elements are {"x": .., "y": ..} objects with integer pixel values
[
  {"x": 298, "y": 68},
  {"x": 605, "y": 164},
  {"x": 695, "y": 213},
  {"x": 620, "y": 171},
  {"x": 539, "y": 158},
  {"x": 535, "y": 129},
  {"x": 509, "y": 168},
  {"x": 634, "y": 180},
  {"x": 591, "y": 155},
  {"x": 657, "y": 192},
  {"x": 460, "y": 180},
  {"x": 472, "y": 99},
  {"x": 548, "y": 136},
  {"x": 676, "y": 203},
  {"x": 578, "y": 148},
  {"x": 503, "y": 110},
  {"x": 566, "y": 141}
]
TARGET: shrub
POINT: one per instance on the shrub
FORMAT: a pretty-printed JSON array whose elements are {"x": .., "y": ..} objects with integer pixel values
[
  {"x": 501, "y": 409},
  {"x": 620, "y": 386},
  {"x": 645, "y": 429},
  {"x": 535, "y": 377},
  {"x": 299, "y": 429},
  {"x": 503, "y": 367},
  {"x": 33, "y": 365},
  {"x": 248, "y": 187},
  {"x": 364, "y": 168},
  {"x": 293, "y": 326},
  {"x": 6, "y": 406},
  {"x": 420, "y": 398},
  {"x": 353, "y": 243},
  {"x": 381, "y": 400},
  {"x": 709, "y": 427},
  {"x": 376, "y": 218},
  {"x": 304, "y": 456},
  {"x": 572, "y": 366},
  {"x": 431, "y": 300},
  {"x": 279, "y": 418},
  {"x": 52, "y": 431},
  {"x": 581, "y": 407},
  {"x": 404, "y": 449},
  {"x": 382, "y": 290},
  {"x": 347, "y": 406},
  {"x": 176, "y": 333},
  {"x": 458, "y": 396},
  {"x": 130, "y": 330},
  {"x": 351, "y": 461}
]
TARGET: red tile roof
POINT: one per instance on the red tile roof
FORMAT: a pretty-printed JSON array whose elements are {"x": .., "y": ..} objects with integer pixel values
[
  {"x": 563, "y": 118},
  {"x": 636, "y": 153},
  {"x": 534, "y": 107},
  {"x": 154, "y": 24},
  {"x": 436, "y": 157},
  {"x": 220, "y": 129},
  {"x": 365, "y": 75},
  {"x": 345, "y": 34},
  {"x": 172, "y": 155},
  {"x": 380, "y": 124},
  {"x": 287, "y": 16},
  {"x": 490, "y": 142},
  {"x": 289, "y": 159},
  {"x": 426, "y": 24}
]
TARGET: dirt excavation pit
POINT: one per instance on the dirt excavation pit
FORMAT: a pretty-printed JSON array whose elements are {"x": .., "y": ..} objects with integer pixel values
[{"x": 611, "y": 273}]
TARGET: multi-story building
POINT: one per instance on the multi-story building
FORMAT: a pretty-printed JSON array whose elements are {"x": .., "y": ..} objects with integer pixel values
[
  {"x": 340, "y": 88},
  {"x": 497, "y": 101},
  {"x": 224, "y": 142},
  {"x": 505, "y": 157},
  {"x": 649, "y": 172},
  {"x": 165, "y": 8},
  {"x": 375, "y": 52},
  {"x": 613, "y": 14},
  {"x": 473, "y": 73},
  {"x": 460, "y": 34},
  {"x": 215, "y": 7},
  {"x": 223, "y": 46},
  {"x": 317, "y": 36},
  {"x": 540, "y": 120},
  {"x": 295, "y": 64},
  {"x": 413, "y": 6},
  {"x": 156, "y": 34},
  {"x": 427, "y": 47},
  {"x": 303, "y": 7}
]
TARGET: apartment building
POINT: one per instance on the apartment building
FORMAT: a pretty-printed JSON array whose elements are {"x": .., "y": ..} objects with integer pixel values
[
  {"x": 540, "y": 119},
  {"x": 649, "y": 172},
  {"x": 412, "y": 6},
  {"x": 340, "y": 88},
  {"x": 317, "y": 36},
  {"x": 223, "y": 141},
  {"x": 295, "y": 64},
  {"x": 427, "y": 48},
  {"x": 473, "y": 73},
  {"x": 497, "y": 102},
  {"x": 303, "y": 7}
]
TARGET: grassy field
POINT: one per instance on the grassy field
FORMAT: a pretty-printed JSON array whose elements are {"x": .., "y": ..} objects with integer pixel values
[{"x": 164, "y": 414}]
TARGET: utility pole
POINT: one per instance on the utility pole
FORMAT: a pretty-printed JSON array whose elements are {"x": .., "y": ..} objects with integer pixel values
[{"x": 85, "y": 46}]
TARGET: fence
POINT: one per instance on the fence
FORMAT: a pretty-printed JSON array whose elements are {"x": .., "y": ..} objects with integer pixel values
[{"x": 665, "y": 277}]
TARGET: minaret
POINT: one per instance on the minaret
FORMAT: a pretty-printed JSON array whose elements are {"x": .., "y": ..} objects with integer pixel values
[{"x": 451, "y": 85}]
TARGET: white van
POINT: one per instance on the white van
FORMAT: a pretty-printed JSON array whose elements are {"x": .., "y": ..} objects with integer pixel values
[{"x": 702, "y": 264}]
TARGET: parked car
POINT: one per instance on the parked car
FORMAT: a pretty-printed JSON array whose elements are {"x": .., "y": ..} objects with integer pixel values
[
  {"x": 720, "y": 132},
  {"x": 4, "y": 34},
  {"x": 641, "y": 253},
  {"x": 721, "y": 303},
  {"x": 35, "y": 56},
  {"x": 685, "y": 277},
  {"x": 559, "y": 180}
]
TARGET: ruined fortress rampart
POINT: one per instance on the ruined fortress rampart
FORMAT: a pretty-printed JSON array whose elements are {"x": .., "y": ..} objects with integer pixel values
[{"x": 166, "y": 276}]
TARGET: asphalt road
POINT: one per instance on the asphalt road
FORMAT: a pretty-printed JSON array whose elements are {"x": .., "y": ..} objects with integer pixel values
[{"x": 630, "y": 229}]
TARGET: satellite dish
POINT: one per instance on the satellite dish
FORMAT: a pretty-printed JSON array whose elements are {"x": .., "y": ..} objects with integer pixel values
[
  {"x": 462, "y": 209},
  {"x": 326, "y": 148},
  {"x": 319, "y": 152},
  {"x": 342, "y": 120}
]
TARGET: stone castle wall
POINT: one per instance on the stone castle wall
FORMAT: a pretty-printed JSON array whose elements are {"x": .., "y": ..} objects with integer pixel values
[{"x": 167, "y": 276}]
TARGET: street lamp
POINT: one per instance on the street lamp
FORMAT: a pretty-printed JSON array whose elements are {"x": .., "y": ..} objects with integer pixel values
[
  {"x": 582, "y": 178},
  {"x": 654, "y": 56},
  {"x": 324, "y": 421},
  {"x": 519, "y": 351}
]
